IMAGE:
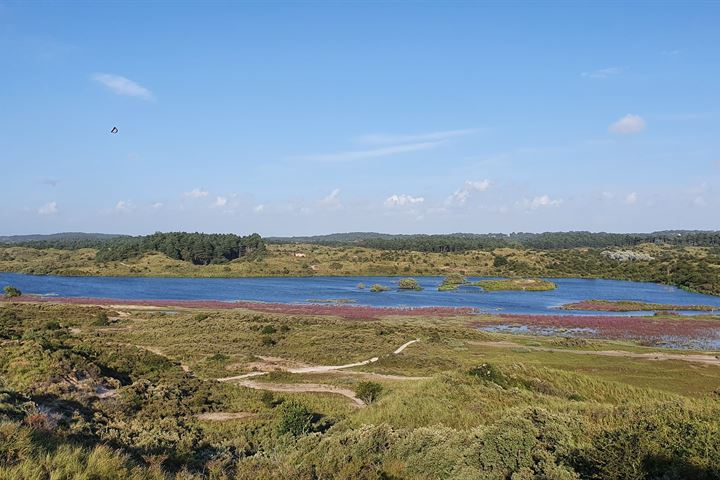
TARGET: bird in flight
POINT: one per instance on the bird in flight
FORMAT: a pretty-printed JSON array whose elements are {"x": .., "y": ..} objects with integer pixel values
[{"x": 114, "y": 130}]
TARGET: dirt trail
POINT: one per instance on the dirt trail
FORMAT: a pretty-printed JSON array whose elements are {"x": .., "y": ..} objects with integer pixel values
[
  {"x": 303, "y": 388},
  {"x": 225, "y": 416},
  {"x": 279, "y": 364},
  {"x": 404, "y": 346},
  {"x": 708, "y": 359}
]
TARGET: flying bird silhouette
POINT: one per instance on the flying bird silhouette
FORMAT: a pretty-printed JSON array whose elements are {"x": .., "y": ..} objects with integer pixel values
[{"x": 114, "y": 130}]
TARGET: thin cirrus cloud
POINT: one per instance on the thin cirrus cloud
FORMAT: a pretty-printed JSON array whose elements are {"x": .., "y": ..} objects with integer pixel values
[
  {"x": 385, "y": 138},
  {"x": 352, "y": 155},
  {"x": 403, "y": 200},
  {"x": 628, "y": 125},
  {"x": 603, "y": 72},
  {"x": 391, "y": 144},
  {"x": 123, "y": 86}
]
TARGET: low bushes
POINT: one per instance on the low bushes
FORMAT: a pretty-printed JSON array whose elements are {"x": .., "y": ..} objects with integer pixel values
[{"x": 11, "y": 292}]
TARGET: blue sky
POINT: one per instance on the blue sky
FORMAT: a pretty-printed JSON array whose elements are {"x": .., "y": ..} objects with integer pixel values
[{"x": 309, "y": 118}]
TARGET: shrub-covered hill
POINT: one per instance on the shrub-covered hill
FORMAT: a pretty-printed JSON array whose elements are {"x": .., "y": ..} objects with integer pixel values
[{"x": 93, "y": 393}]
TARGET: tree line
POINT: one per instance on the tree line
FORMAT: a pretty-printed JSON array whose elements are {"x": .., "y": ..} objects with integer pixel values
[
  {"x": 197, "y": 248},
  {"x": 458, "y": 242}
]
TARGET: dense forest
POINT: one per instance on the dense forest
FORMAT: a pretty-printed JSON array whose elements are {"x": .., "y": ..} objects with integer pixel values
[
  {"x": 197, "y": 248},
  {"x": 64, "y": 241},
  {"x": 458, "y": 242}
]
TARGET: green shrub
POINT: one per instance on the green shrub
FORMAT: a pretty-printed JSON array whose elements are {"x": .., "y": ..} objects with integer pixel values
[
  {"x": 409, "y": 284},
  {"x": 11, "y": 292},
  {"x": 378, "y": 288},
  {"x": 489, "y": 373},
  {"x": 368, "y": 392},
  {"x": 268, "y": 399},
  {"x": 499, "y": 261},
  {"x": 361, "y": 286},
  {"x": 295, "y": 419},
  {"x": 452, "y": 282},
  {"x": 268, "y": 330},
  {"x": 101, "y": 320}
]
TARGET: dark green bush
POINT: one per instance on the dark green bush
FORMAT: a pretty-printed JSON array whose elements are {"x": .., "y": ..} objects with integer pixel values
[
  {"x": 295, "y": 419},
  {"x": 11, "y": 292},
  {"x": 368, "y": 392}
]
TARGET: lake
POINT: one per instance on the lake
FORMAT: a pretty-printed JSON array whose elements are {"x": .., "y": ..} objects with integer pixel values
[{"x": 315, "y": 289}]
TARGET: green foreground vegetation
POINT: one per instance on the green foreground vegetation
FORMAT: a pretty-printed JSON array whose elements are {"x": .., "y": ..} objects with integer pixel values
[
  {"x": 87, "y": 392},
  {"x": 690, "y": 267}
]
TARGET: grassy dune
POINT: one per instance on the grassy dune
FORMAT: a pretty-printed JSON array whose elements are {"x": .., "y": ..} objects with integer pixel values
[{"x": 115, "y": 394}]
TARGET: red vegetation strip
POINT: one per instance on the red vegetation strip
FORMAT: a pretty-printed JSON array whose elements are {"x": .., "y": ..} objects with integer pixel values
[
  {"x": 345, "y": 311},
  {"x": 616, "y": 327},
  {"x": 629, "y": 306}
]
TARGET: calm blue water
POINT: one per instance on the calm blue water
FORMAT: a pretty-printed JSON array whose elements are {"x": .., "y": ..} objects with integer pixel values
[{"x": 302, "y": 290}]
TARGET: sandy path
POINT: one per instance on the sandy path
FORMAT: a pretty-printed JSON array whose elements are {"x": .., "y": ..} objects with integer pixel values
[
  {"x": 330, "y": 368},
  {"x": 225, "y": 416},
  {"x": 303, "y": 388},
  {"x": 404, "y": 346},
  {"x": 658, "y": 356},
  {"x": 283, "y": 365},
  {"x": 240, "y": 377}
]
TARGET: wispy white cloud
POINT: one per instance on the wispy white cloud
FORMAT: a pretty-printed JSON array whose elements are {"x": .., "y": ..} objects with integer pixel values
[
  {"x": 366, "y": 154},
  {"x": 332, "y": 200},
  {"x": 196, "y": 193},
  {"x": 603, "y": 72},
  {"x": 123, "y": 206},
  {"x": 461, "y": 195},
  {"x": 385, "y": 138},
  {"x": 540, "y": 201},
  {"x": 259, "y": 208},
  {"x": 671, "y": 52},
  {"x": 157, "y": 205},
  {"x": 123, "y": 86},
  {"x": 631, "y": 198},
  {"x": 50, "y": 208},
  {"x": 220, "y": 202},
  {"x": 628, "y": 124},
  {"x": 403, "y": 200}
]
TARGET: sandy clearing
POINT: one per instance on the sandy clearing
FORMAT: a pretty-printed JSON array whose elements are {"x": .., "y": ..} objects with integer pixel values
[
  {"x": 224, "y": 416},
  {"x": 303, "y": 388},
  {"x": 708, "y": 359}
]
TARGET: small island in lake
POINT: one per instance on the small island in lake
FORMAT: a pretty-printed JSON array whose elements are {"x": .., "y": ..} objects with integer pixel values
[
  {"x": 521, "y": 284},
  {"x": 452, "y": 282}
]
